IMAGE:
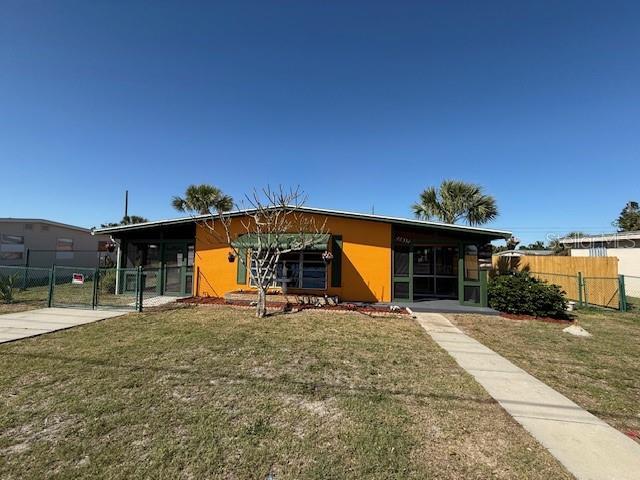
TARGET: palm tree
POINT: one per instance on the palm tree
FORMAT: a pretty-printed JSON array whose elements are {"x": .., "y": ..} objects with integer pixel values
[
  {"x": 203, "y": 199},
  {"x": 454, "y": 201}
]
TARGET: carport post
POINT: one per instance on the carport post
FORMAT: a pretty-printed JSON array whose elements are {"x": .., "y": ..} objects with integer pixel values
[{"x": 140, "y": 289}]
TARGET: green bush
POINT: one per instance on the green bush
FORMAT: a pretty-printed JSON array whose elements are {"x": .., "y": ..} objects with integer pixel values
[
  {"x": 108, "y": 282},
  {"x": 7, "y": 284},
  {"x": 521, "y": 293}
]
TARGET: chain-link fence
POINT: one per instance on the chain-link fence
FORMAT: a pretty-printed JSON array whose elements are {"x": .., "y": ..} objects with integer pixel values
[
  {"x": 64, "y": 258},
  {"x": 632, "y": 291},
  {"x": 112, "y": 292},
  {"x": 596, "y": 291},
  {"x": 24, "y": 288},
  {"x": 603, "y": 292}
]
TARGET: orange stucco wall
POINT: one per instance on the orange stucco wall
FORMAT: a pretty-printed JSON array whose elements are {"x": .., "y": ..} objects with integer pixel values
[{"x": 366, "y": 261}]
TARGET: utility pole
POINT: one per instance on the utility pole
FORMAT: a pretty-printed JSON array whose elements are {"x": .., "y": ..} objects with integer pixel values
[{"x": 126, "y": 203}]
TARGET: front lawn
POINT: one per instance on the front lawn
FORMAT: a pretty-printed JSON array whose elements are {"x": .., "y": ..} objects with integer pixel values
[
  {"x": 206, "y": 392},
  {"x": 600, "y": 373}
]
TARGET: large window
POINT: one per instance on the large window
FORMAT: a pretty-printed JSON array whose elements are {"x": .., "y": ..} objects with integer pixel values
[
  {"x": 298, "y": 270},
  {"x": 471, "y": 264},
  {"x": 435, "y": 272},
  {"x": 11, "y": 247},
  {"x": 401, "y": 261}
]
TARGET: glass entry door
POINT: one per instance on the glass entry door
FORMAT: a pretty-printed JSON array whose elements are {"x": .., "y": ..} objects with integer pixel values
[
  {"x": 421, "y": 272},
  {"x": 435, "y": 272},
  {"x": 167, "y": 267},
  {"x": 177, "y": 268}
]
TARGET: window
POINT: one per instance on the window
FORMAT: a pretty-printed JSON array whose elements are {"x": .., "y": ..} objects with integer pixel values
[
  {"x": 64, "y": 249},
  {"x": 447, "y": 261},
  {"x": 401, "y": 261},
  {"x": 11, "y": 247},
  {"x": 298, "y": 270},
  {"x": 423, "y": 261},
  {"x": 314, "y": 271},
  {"x": 401, "y": 290},
  {"x": 471, "y": 265}
]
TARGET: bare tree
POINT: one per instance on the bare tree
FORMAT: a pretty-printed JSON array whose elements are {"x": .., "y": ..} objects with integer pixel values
[{"x": 272, "y": 224}]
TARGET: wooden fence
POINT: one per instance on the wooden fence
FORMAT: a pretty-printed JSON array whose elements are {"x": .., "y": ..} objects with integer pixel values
[{"x": 599, "y": 275}]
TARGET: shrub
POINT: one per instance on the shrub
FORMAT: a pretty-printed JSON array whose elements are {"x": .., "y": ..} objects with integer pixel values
[
  {"x": 108, "y": 282},
  {"x": 521, "y": 293},
  {"x": 6, "y": 288}
]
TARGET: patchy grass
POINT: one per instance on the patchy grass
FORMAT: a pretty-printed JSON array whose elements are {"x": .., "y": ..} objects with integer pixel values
[
  {"x": 200, "y": 392},
  {"x": 35, "y": 297},
  {"x": 600, "y": 373}
]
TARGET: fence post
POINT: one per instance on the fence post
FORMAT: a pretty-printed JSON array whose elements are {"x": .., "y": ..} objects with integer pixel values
[
  {"x": 94, "y": 300},
  {"x": 622, "y": 294},
  {"x": 580, "y": 289},
  {"x": 52, "y": 279},
  {"x": 26, "y": 271},
  {"x": 140, "y": 288}
]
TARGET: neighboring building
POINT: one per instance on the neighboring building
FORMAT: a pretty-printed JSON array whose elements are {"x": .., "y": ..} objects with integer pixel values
[
  {"x": 625, "y": 246},
  {"x": 375, "y": 259},
  {"x": 42, "y": 243}
]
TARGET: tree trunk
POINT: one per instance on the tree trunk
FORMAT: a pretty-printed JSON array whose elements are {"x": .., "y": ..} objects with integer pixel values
[{"x": 261, "y": 307}]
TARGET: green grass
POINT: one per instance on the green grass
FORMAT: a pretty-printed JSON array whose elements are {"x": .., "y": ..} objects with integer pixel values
[
  {"x": 600, "y": 373},
  {"x": 206, "y": 392}
]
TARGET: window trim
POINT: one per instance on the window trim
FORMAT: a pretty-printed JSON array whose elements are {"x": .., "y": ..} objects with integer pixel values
[{"x": 11, "y": 250}]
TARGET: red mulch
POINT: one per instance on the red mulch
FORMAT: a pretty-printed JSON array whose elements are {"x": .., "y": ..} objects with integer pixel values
[
  {"x": 514, "y": 316},
  {"x": 635, "y": 434},
  {"x": 349, "y": 307}
]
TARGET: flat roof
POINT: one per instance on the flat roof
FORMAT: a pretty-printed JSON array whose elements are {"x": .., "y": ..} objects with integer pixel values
[
  {"x": 603, "y": 237},
  {"x": 322, "y": 211},
  {"x": 42, "y": 220}
]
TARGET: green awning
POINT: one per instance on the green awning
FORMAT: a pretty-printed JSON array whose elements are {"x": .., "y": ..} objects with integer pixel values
[{"x": 312, "y": 241}]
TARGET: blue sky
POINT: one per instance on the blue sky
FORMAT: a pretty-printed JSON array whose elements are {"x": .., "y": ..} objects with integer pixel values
[{"x": 361, "y": 103}]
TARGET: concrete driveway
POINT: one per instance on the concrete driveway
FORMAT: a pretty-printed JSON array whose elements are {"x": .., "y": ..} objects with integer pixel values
[{"x": 14, "y": 326}]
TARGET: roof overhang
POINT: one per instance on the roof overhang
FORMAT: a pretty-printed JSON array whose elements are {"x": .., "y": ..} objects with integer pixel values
[{"x": 490, "y": 233}]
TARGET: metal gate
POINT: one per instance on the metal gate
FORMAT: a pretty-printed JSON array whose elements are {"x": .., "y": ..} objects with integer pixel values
[{"x": 95, "y": 288}]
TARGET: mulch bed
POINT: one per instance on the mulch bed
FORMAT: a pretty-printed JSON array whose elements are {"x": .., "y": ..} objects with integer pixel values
[
  {"x": 514, "y": 316},
  {"x": 343, "y": 307}
]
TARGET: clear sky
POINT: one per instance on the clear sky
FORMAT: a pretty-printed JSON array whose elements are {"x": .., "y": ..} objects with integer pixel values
[{"x": 361, "y": 103}]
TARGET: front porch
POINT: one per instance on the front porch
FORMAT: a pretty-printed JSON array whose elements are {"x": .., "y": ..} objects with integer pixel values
[{"x": 445, "y": 306}]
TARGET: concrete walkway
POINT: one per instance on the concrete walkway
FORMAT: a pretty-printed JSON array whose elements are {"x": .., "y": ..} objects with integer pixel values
[
  {"x": 588, "y": 447},
  {"x": 14, "y": 326}
]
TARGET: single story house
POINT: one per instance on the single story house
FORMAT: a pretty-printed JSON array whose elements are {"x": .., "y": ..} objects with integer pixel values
[{"x": 375, "y": 258}]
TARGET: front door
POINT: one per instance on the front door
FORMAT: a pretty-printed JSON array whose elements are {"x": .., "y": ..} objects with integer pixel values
[
  {"x": 423, "y": 272},
  {"x": 177, "y": 268}
]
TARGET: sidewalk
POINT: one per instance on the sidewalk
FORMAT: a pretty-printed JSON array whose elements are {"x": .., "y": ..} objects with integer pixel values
[
  {"x": 14, "y": 326},
  {"x": 588, "y": 447}
]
